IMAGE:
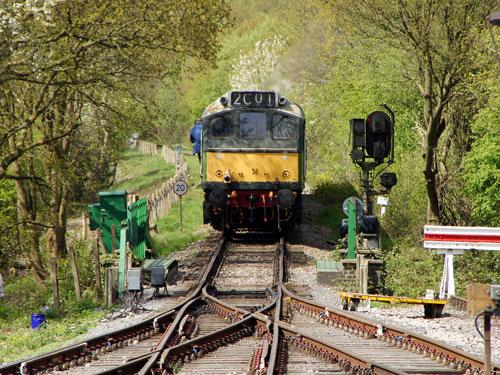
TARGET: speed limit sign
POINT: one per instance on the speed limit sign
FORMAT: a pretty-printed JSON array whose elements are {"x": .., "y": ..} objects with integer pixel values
[{"x": 180, "y": 187}]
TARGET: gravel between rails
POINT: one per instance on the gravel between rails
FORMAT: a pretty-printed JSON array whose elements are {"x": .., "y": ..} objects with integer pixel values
[{"x": 454, "y": 328}]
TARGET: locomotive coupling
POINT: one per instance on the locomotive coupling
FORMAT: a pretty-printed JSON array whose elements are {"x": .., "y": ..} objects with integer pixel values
[{"x": 227, "y": 176}]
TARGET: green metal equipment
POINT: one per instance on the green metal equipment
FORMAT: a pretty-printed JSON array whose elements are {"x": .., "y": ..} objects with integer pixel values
[
  {"x": 137, "y": 217},
  {"x": 113, "y": 210},
  {"x": 113, "y": 206}
]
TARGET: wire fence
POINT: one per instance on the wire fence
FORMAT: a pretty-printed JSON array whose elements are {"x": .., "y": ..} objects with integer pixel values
[{"x": 160, "y": 201}]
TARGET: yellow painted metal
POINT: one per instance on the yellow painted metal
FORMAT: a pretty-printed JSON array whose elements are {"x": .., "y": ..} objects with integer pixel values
[
  {"x": 253, "y": 166},
  {"x": 344, "y": 296}
]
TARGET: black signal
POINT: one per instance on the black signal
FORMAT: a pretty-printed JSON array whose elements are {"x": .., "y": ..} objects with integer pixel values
[
  {"x": 378, "y": 135},
  {"x": 358, "y": 139}
]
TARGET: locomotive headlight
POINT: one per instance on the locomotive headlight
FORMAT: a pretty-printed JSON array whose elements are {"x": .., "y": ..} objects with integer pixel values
[
  {"x": 218, "y": 173},
  {"x": 286, "y": 174},
  {"x": 285, "y": 198}
]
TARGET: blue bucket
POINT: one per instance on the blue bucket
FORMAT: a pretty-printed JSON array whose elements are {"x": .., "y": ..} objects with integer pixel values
[{"x": 37, "y": 320}]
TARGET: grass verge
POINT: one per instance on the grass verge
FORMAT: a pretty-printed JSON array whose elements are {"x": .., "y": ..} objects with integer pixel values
[{"x": 138, "y": 174}]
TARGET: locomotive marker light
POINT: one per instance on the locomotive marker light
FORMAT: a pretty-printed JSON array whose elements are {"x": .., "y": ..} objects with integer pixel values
[{"x": 180, "y": 188}]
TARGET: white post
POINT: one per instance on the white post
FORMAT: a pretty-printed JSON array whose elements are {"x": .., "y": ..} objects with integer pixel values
[
  {"x": 451, "y": 275},
  {"x": 447, "y": 287},
  {"x": 444, "y": 280}
]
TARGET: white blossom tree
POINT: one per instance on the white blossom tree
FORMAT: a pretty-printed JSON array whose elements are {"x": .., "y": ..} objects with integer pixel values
[{"x": 252, "y": 69}]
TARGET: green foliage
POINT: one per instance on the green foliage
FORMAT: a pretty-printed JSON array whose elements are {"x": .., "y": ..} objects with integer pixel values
[
  {"x": 8, "y": 251},
  {"x": 410, "y": 270},
  {"x": 23, "y": 297},
  {"x": 18, "y": 340},
  {"x": 406, "y": 212},
  {"x": 333, "y": 194},
  {"x": 481, "y": 170},
  {"x": 169, "y": 237},
  {"x": 476, "y": 267},
  {"x": 86, "y": 273},
  {"x": 139, "y": 173}
]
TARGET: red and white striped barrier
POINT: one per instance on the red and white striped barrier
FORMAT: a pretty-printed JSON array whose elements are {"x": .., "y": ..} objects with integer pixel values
[
  {"x": 479, "y": 238},
  {"x": 453, "y": 241}
]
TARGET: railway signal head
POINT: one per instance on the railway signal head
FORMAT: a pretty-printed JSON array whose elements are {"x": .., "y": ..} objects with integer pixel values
[
  {"x": 378, "y": 136},
  {"x": 371, "y": 138},
  {"x": 358, "y": 139},
  {"x": 388, "y": 180}
]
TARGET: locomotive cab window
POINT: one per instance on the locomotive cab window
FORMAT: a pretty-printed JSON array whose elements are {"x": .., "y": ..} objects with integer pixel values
[
  {"x": 252, "y": 125},
  {"x": 284, "y": 127},
  {"x": 220, "y": 127}
]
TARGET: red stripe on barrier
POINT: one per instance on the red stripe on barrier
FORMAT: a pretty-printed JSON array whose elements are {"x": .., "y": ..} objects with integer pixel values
[{"x": 461, "y": 238}]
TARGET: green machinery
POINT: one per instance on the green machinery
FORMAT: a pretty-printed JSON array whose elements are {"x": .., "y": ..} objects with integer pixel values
[{"x": 113, "y": 210}]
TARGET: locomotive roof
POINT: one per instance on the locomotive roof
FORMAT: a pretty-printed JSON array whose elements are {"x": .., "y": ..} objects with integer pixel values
[{"x": 223, "y": 104}]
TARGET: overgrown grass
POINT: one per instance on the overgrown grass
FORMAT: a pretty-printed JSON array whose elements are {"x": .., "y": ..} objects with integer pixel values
[
  {"x": 170, "y": 237},
  {"x": 17, "y": 339},
  {"x": 139, "y": 173}
]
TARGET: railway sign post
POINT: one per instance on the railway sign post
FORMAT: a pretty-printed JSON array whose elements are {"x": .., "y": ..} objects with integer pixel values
[
  {"x": 178, "y": 149},
  {"x": 180, "y": 188}
]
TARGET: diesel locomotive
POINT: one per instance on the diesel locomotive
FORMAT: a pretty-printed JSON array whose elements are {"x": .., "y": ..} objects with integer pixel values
[{"x": 253, "y": 161}]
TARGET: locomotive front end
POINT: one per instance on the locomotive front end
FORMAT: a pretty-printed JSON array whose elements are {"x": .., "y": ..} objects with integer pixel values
[{"x": 253, "y": 161}]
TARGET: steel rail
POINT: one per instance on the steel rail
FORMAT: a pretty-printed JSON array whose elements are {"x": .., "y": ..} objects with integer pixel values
[
  {"x": 277, "y": 313},
  {"x": 391, "y": 333},
  {"x": 85, "y": 351},
  {"x": 348, "y": 360}
]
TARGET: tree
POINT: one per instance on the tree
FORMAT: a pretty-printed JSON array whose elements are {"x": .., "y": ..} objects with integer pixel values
[
  {"x": 59, "y": 61},
  {"x": 440, "y": 40}
]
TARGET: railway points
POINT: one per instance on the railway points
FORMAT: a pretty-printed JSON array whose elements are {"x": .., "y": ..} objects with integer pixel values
[{"x": 219, "y": 327}]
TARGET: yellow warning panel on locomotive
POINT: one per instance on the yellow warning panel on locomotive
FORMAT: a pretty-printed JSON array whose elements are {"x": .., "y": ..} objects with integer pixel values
[{"x": 252, "y": 167}]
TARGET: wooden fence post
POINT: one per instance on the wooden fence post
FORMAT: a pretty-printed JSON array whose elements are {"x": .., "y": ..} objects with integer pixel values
[
  {"x": 101, "y": 241},
  {"x": 76, "y": 278},
  {"x": 97, "y": 264},
  {"x": 110, "y": 278},
  {"x": 84, "y": 225},
  {"x": 113, "y": 237},
  {"x": 55, "y": 284}
]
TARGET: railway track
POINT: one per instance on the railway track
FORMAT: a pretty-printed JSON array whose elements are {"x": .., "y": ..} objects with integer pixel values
[{"x": 242, "y": 318}]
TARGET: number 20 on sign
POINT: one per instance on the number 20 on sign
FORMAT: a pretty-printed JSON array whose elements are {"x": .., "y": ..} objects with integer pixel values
[{"x": 180, "y": 188}]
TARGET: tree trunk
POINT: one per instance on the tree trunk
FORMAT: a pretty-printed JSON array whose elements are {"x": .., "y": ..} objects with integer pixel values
[{"x": 29, "y": 234}]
